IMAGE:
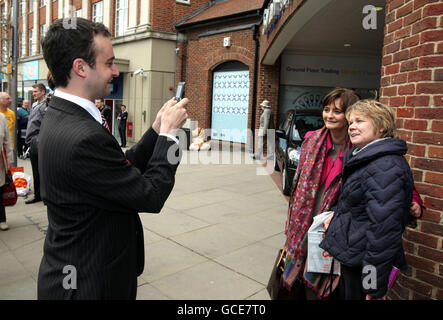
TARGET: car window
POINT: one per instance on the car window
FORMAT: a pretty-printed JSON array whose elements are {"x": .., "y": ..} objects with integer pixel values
[
  {"x": 288, "y": 122},
  {"x": 305, "y": 123}
]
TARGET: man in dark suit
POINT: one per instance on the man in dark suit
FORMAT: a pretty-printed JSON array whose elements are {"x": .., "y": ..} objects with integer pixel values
[
  {"x": 123, "y": 117},
  {"x": 104, "y": 109},
  {"x": 94, "y": 246}
]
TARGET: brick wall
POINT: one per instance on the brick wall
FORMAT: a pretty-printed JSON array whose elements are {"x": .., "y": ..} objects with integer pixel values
[
  {"x": 268, "y": 89},
  {"x": 198, "y": 56},
  {"x": 165, "y": 13},
  {"x": 411, "y": 82}
]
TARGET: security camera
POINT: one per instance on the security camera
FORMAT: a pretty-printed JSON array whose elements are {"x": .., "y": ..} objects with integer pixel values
[{"x": 139, "y": 71}]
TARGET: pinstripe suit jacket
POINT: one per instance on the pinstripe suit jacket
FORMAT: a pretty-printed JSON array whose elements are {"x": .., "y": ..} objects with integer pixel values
[{"x": 93, "y": 196}]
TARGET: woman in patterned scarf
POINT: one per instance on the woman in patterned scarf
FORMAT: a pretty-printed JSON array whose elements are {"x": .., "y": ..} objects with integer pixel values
[{"x": 316, "y": 190}]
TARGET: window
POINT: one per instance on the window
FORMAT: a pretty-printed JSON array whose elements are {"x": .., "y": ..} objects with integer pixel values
[
  {"x": 121, "y": 17},
  {"x": 20, "y": 45},
  {"x": 30, "y": 48},
  {"x": 78, "y": 13},
  {"x": 42, "y": 31},
  {"x": 5, "y": 51},
  {"x": 31, "y": 7},
  {"x": 42, "y": 3},
  {"x": 97, "y": 12}
]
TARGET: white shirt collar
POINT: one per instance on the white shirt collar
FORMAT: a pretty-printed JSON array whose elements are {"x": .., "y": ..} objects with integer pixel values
[{"x": 89, "y": 106}]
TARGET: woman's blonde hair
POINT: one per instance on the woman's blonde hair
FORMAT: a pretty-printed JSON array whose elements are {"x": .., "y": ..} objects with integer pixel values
[{"x": 381, "y": 115}]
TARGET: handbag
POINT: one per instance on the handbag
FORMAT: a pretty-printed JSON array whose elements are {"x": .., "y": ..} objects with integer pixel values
[
  {"x": 9, "y": 195},
  {"x": 275, "y": 286}
]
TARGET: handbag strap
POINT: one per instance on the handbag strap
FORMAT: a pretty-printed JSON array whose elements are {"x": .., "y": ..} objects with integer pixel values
[
  {"x": 283, "y": 251},
  {"x": 331, "y": 275}
]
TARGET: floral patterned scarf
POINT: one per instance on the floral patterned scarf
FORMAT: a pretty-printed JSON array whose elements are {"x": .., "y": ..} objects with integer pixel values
[{"x": 301, "y": 206}]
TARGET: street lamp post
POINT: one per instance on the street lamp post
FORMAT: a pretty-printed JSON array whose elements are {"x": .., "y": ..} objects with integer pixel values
[{"x": 13, "y": 85}]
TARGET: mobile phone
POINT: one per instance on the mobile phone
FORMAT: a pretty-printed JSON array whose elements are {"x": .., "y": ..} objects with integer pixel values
[{"x": 179, "y": 94}]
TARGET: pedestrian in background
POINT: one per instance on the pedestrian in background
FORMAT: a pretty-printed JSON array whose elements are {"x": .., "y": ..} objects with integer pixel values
[
  {"x": 5, "y": 141},
  {"x": 266, "y": 122},
  {"x": 373, "y": 209},
  {"x": 123, "y": 117},
  {"x": 104, "y": 110},
  {"x": 38, "y": 111},
  {"x": 5, "y": 104},
  {"x": 22, "y": 123}
]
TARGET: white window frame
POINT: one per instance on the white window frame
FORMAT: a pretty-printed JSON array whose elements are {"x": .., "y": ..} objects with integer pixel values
[
  {"x": 78, "y": 13},
  {"x": 30, "y": 51},
  {"x": 5, "y": 52},
  {"x": 96, "y": 15},
  {"x": 43, "y": 30},
  {"x": 121, "y": 12},
  {"x": 43, "y": 3}
]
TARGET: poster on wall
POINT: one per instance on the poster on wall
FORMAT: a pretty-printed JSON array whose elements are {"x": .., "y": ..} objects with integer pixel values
[
  {"x": 328, "y": 71},
  {"x": 30, "y": 70}
]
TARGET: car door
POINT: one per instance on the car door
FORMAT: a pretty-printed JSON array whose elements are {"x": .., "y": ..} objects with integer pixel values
[{"x": 285, "y": 126}]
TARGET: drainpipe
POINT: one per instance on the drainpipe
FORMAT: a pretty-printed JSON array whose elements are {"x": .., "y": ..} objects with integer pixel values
[{"x": 255, "y": 30}]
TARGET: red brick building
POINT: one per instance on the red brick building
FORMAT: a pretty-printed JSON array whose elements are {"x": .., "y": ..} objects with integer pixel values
[
  {"x": 220, "y": 38},
  {"x": 295, "y": 51}
]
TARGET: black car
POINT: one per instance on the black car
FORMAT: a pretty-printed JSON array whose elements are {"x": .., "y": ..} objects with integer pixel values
[{"x": 288, "y": 139}]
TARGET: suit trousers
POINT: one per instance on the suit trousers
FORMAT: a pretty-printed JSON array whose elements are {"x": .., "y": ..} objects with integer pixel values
[
  {"x": 35, "y": 174},
  {"x": 2, "y": 208},
  {"x": 122, "y": 132},
  {"x": 20, "y": 144}
]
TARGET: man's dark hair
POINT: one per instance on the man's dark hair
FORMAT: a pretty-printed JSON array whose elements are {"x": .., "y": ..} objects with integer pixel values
[
  {"x": 50, "y": 81},
  {"x": 39, "y": 86},
  {"x": 101, "y": 99},
  {"x": 64, "y": 42},
  {"x": 348, "y": 97}
]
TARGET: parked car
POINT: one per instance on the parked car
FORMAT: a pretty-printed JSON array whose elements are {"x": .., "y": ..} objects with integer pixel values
[{"x": 288, "y": 140}]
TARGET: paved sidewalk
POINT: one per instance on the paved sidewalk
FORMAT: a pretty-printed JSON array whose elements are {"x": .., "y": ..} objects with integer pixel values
[{"x": 216, "y": 237}]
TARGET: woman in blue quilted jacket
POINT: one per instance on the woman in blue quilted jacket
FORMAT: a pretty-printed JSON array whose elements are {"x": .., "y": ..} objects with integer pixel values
[{"x": 365, "y": 233}]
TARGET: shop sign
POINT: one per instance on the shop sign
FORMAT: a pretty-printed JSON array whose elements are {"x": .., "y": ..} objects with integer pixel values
[
  {"x": 30, "y": 70},
  {"x": 330, "y": 71},
  {"x": 273, "y": 13}
]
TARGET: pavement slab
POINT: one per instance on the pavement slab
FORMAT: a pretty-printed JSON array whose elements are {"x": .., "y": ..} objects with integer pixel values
[{"x": 207, "y": 281}]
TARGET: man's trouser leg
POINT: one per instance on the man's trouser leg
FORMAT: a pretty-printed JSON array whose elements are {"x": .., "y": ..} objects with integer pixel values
[
  {"x": 122, "y": 132},
  {"x": 35, "y": 174}
]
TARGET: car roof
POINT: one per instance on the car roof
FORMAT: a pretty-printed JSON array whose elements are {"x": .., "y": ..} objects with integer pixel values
[{"x": 305, "y": 111}]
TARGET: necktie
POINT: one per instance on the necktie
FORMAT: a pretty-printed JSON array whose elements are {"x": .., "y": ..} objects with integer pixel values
[{"x": 104, "y": 123}]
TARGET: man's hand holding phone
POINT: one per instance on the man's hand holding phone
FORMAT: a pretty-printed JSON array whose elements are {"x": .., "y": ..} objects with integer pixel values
[{"x": 171, "y": 116}]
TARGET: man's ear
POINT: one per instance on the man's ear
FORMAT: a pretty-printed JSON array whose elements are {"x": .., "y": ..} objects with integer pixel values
[{"x": 79, "y": 67}]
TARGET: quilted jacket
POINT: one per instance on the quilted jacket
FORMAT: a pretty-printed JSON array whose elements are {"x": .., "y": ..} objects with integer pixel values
[{"x": 372, "y": 211}]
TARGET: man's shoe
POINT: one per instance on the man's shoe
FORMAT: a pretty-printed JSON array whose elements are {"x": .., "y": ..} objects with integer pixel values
[
  {"x": 33, "y": 200},
  {"x": 3, "y": 226}
]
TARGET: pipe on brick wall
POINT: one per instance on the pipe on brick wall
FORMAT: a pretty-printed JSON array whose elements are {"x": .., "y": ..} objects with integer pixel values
[{"x": 255, "y": 36}]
